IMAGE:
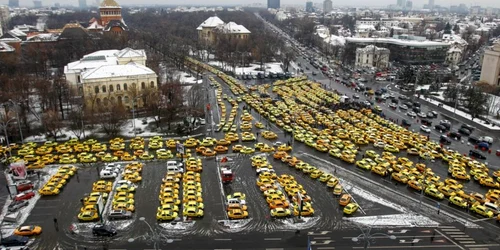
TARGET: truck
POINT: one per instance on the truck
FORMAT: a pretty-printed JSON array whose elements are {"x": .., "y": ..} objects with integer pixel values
[{"x": 226, "y": 175}]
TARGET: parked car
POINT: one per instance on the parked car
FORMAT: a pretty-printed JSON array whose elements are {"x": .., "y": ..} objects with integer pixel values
[
  {"x": 24, "y": 196},
  {"x": 404, "y": 122},
  {"x": 467, "y": 126},
  {"x": 426, "y": 122},
  {"x": 425, "y": 129},
  {"x": 455, "y": 135},
  {"x": 16, "y": 205},
  {"x": 118, "y": 214},
  {"x": 444, "y": 140},
  {"x": 476, "y": 154},
  {"x": 464, "y": 131},
  {"x": 23, "y": 185},
  {"x": 103, "y": 230},
  {"x": 474, "y": 139},
  {"x": 14, "y": 241}
]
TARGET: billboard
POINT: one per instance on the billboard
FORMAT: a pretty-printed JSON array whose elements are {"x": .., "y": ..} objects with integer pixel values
[{"x": 18, "y": 170}]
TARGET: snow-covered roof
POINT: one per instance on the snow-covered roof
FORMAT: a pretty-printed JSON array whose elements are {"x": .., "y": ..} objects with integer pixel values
[
  {"x": 372, "y": 48},
  {"x": 4, "y": 47},
  {"x": 396, "y": 42},
  {"x": 95, "y": 26},
  {"x": 17, "y": 32},
  {"x": 43, "y": 37},
  {"x": 365, "y": 27},
  {"x": 109, "y": 3},
  {"x": 129, "y": 52},
  {"x": 235, "y": 28},
  {"x": 111, "y": 71},
  {"x": 337, "y": 40},
  {"x": 211, "y": 22}
]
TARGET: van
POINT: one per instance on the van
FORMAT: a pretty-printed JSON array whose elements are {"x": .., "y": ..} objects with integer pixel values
[
  {"x": 174, "y": 166},
  {"x": 486, "y": 139},
  {"x": 106, "y": 174},
  {"x": 493, "y": 207}
]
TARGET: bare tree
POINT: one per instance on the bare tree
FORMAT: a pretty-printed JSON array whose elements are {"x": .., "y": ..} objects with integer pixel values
[
  {"x": 52, "y": 123},
  {"x": 112, "y": 117}
]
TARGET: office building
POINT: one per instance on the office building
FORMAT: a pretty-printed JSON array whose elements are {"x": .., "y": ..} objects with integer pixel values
[
  {"x": 431, "y": 4},
  {"x": 14, "y": 3},
  {"x": 82, "y": 4},
  {"x": 401, "y": 3},
  {"x": 490, "y": 71},
  {"x": 37, "y": 4},
  {"x": 327, "y": 6},
  {"x": 273, "y": 4},
  {"x": 372, "y": 56},
  {"x": 309, "y": 7},
  {"x": 409, "y": 5}
]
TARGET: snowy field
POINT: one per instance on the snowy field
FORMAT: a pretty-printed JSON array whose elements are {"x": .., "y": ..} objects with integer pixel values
[{"x": 253, "y": 69}]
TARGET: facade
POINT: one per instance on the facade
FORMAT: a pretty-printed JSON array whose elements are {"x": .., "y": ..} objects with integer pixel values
[
  {"x": 214, "y": 26},
  {"x": 309, "y": 7},
  {"x": 82, "y": 4},
  {"x": 406, "y": 51},
  {"x": 454, "y": 56},
  {"x": 327, "y": 6},
  {"x": 490, "y": 71},
  {"x": 14, "y": 3},
  {"x": 273, "y": 4},
  {"x": 372, "y": 56},
  {"x": 111, "y": 76}
]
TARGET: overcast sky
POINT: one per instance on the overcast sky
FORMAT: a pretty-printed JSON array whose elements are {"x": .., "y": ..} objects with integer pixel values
[{"x": 417, "y": 3}]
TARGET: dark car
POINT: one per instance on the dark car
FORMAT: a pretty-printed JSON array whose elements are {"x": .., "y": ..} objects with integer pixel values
[
  {"x": 464, "y": 131},
  {"x": 405, "y": 123},
  {"x": 14, "y": 241},
  {"x": 430, "y": 115},
  {"x": 474, "y": 139},
  {"x": 440, "y": 128},
  {"x": 444, "y": 140},
  {"x": 426, "y": 122},
  {"x": 416, "y": 104},
  {"x": 16, "y": 205},
  {"x": 468, "y": 127},
  {"x": 119, "y": 214},
  {"x": 455, "y": 135},
  {"x": 477, "y": 154},
  {"x": 103, "y": 230},
  {"x": 446, "y": 125},
  {"x": 416, "y": 109}
]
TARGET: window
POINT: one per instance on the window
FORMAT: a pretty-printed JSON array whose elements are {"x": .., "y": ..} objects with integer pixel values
[
  {"x": 96, "y": 89},
  {"x": 143, "y": 85},
  {"x": 105, "y": 101},
  {"x": 117, "y": 87},
  {"x": 125, "y": 86},
  {"x": 126, "y": 99},
  {"x": 104, "y": 89},
  {"x": 152, "y": 84},
  {"x": 119, "y": 99},
  {"x": 98, "y": 101},
  {"x": 110, "y": 88},
  {"x": 78, "y": 79}
]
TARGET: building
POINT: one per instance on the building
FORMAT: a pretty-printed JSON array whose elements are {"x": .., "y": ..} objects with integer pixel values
[
  {"x": 214, "y": 26},
  {"x": 327, "y": 6},
  {"x": 409, "y": 5},
  {"x": 454, "y": 56},
  {"x": 82, "y": 4},
  {"x": 372, "y": 56},
  {"x": 309, "y": 7},
  {"x": 37, "y": 4},
  {"x": 431, "y": 4},
  {"x": 401, "y": 3},
  {"x": 273, "y": 4},
  {"x": 14, "y": 3},
  {"x": 110, "y": 19},
  {"x": 4, "y": 18},
  {"x": 405, "y": 49},
  {"x": 111, "y": 76},
  {"x": 490, "y": 71}
]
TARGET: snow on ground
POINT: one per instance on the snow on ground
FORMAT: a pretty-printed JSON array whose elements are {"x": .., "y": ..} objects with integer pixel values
[
  {"x": 395, "y": 220},
  {"x": 180, "y": 226},
  {"x": 305, "y": 223},
  {"x": 234, "y": 226},
  {"x": 7, "y": 227},
  {"x": 121, "y": 225},
  {"x": 187, "y": 78},
  {"x": 253, "y": 69},
  {"x": 358, "y": 192}
]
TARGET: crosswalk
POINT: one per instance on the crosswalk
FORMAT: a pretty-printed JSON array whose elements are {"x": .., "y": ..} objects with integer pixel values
[{"x": 461, "y": 238}]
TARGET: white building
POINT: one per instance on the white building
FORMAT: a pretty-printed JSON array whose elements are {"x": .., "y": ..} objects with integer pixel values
[
  {"x": 490, "y": 71},
  {"x": 111, "y": 76},
  {"x": 372, "y": 56},
  {"x": 454, "y": 56}
]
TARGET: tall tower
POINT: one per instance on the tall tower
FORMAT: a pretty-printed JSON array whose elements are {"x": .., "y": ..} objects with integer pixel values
[
  {"x": 82, "y": 4},
  {"x": 14, "y": 3},
  {"x": 110, "y": 10},
  {"x": 37, "y": 3}
]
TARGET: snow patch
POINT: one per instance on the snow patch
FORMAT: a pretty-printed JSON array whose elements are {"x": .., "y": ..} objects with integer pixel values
[
  {"x": 395, "y": 220},
  {"x": 121, "y": 225},
  {"x": 253, "y": 69},
  {"x": 234, "y": 226},
  {"x": 372, "y": 197},
  {"x": 303, "y": 223},
  {"x": 181, "y": 226}
]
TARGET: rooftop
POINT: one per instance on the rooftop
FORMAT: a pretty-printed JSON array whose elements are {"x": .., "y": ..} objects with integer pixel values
[
  {"x": 110, "y": 71},
  {"x": 400, "y": 42},
  {"x": 211, "y": 22},
  {"x": 109, "y": 3},
  {"x": 6, "y": 48},
  {"x": 234, "y": 28}
]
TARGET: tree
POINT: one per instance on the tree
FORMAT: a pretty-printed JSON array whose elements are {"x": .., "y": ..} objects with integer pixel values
[
  {"x": 475, "y": 101},
  {"x": 76, "y": 120},
  {"x": 451, "y": 93},
  {"x": 52, "y": 123},
  {"x": 391, "y": 34},
  {"x": 112, "y": 117},
  {"x": 287, "y": 56},
  {"x": 456, "y": 29},
  {"x": 172, "y": 104}
]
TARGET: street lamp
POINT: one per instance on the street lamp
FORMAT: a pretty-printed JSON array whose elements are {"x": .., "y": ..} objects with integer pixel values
[
  {"x": 156, "y": 236},
  {"x": 368, "y": 236},
  {"x": 4, "y": 125},
  {"x": 133, "y": 113}
]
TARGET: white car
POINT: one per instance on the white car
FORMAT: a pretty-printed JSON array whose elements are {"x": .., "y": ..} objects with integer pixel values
[
  {"x": 403, "y": 107},
  {"x": 393, "y": 105},
  {"x": 411, "y": 114},
  {"x": 379, "y": 144},
  {"x": 425, "y": 129},
  {"x": 422, "y": 115}
]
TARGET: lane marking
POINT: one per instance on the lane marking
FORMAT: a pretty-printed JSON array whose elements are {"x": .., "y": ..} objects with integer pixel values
[
  {"x": 450, "y": 229},
  {"x": 275, "y": 249},
  {"x": 224, "y": 239},
  {"x": 455, "y": 233},
  {"x": 325, "y": 248},
  {"x": 272, "y": 238},
  {"x": 321, "y": 238},
  {"x": 483, "y": 245},
  {"x": 467, "y": 242},
  {"x": 446, "y": 227},
  {"x": 449, "y": 239},
  {"x": 399, "y": 247}
]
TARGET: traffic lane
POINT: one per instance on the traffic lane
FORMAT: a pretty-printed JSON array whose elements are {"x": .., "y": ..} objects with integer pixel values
[
  {"x": 325, "y": 205},
  {"x": 64, "y": 207},
  {"x": 213, "y": 193},
  {"x": 147, "y": 196}
]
